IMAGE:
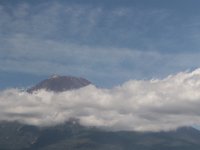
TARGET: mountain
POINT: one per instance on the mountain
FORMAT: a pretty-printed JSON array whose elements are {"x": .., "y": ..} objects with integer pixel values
[
  {"x": 60, "y": 83},
  {"x": 73, "y": 136}
]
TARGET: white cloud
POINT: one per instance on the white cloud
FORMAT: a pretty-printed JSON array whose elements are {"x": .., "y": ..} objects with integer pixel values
[{"x": 140, "y": 105}]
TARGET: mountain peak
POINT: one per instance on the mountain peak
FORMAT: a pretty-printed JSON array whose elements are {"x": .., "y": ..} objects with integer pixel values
[
  {"x": 54, "y": 76},
  {"x": 59, "y": 83}
]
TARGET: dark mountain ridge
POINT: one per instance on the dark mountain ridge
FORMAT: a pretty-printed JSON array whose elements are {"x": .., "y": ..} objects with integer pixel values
[{"x": 73, "y": 136}]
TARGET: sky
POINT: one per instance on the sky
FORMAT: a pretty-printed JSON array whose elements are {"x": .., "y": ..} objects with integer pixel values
[
  {"x": 107, "y": 42},
  {"x": 141, "y": 55}
]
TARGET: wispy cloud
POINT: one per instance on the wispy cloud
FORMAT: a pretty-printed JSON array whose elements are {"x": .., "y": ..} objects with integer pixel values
[
  {"x": 42, "y": 56},
  {"x": 139, "y": 105},
  {"x": 95, "y": 41},
  {"x": 76, "y": 22}
]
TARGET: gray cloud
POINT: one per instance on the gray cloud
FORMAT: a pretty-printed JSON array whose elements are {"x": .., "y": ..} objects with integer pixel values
[{"x": 141, "y": 105}]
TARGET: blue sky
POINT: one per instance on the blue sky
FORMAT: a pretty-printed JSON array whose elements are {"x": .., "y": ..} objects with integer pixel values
[{"x": 108, "y": 41}]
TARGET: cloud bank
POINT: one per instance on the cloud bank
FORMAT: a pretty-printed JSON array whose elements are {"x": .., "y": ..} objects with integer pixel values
[{"x": 137, "y": 105}]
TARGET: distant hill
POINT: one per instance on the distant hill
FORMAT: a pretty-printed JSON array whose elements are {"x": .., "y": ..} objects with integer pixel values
[
  {"x": 60, "y": 83},
  {"x": 72, "y": 136}
]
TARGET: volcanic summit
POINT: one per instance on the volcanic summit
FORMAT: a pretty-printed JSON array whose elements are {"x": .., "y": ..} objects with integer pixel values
[{"x": 58, "y": 83}]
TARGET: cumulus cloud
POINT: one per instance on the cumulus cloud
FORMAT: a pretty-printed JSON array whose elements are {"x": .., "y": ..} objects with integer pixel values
[{"x": 139, "y": 105}]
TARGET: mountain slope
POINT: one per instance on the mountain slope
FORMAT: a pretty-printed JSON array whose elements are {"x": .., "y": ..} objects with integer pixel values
[{"x": 60, "y": 83}]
